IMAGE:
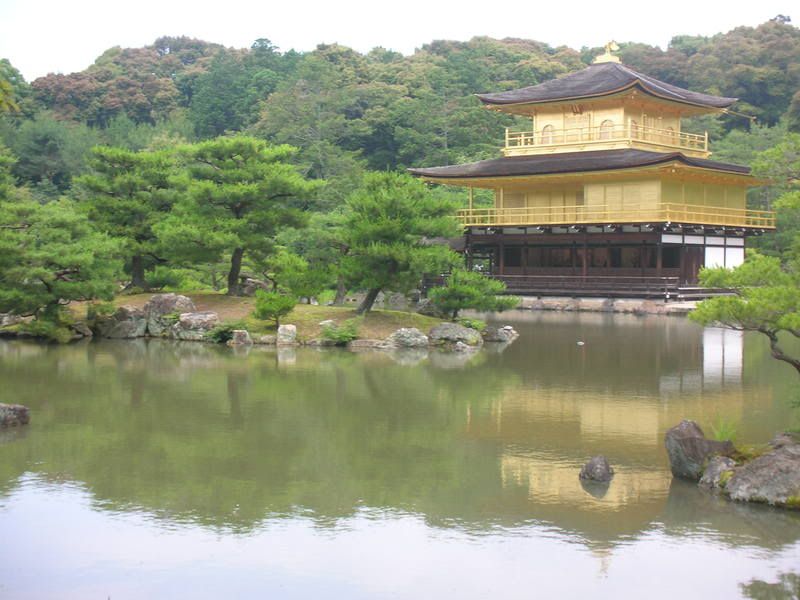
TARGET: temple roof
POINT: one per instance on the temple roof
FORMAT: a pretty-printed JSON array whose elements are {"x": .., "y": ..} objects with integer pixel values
[
  {"x": 602, "y": 79},
  {"x": 571, "y": 162}
]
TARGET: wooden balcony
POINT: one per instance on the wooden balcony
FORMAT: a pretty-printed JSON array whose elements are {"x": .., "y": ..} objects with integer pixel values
[
  {"x": 520, "y": 143},
  {"x": 605, "y": 215}
]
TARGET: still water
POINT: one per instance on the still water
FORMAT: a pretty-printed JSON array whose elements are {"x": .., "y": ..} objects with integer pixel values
[{"x": 168, "y": 470}]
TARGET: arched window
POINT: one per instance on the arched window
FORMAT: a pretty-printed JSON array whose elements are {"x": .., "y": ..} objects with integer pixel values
[
  {"x": 669, "y": 135},
  {"x": 607, "y": 129},
  {"x": 547, "y": 134}
]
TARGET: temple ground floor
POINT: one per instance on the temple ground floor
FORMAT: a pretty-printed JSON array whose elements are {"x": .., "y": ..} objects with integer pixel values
[{"x": 631, "y": 261}]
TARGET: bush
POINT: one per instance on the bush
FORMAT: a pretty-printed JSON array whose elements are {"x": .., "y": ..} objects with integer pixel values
[
  {"x": 477, "y": 324},
  {"x": 724, "y": 429},
  {"x": 55, "y": 329},
  {"x": 99, "y": 310},
  {"x": 273, "y": 306},
  {"x": 223, "y": 333},
  {"x": 469, "y": 289},
  {"x": 342, "y": 334}
]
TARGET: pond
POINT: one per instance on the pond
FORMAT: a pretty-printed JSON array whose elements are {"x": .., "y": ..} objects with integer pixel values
[{"x": 184, "y": 470}]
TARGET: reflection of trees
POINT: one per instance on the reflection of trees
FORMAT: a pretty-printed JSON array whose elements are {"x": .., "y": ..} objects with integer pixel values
[
  {"x": 786, "y": 588},
  {"x": 191, "y": 431}
]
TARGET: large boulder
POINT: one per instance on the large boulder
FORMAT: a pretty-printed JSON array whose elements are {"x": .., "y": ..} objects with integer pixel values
[
  {"x": 449, "y": 334},
  {"x": 773, "y": 478},
  {"x": 194, "y": 326},
  {"x": 126, "y": 322},
  {"x": 504, "y": 335},
  {"x": 597, "y": 469},
  {"x": 426, "y": 307},
  {"x": 689, "y": 451},
  {"x": 408, "y": 337},
  {"x": 240, "y": 337},
  {"x": 287, "y": 335},
  {"x": 14, "y": 414},
  {"x": 249, "y": 286},
  {"x": 161, "y": 311}
]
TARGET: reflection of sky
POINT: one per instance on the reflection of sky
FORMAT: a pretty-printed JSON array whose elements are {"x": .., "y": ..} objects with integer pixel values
[{"x": 371, "y": 555}]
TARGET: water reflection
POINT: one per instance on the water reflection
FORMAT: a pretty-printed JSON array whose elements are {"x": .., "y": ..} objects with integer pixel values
[{"x": 482, "y": 444}]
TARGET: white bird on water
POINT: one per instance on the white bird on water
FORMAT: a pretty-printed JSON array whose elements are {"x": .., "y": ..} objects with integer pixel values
[{"x": 580, "y": 343}]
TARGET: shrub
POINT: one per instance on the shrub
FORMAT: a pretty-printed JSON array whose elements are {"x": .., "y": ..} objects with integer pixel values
[
  {"x": 342, "y": 334},
  {"x": 469, "y": 289},
  {"x": 273, "y": 306},
  {"x": 99, "y": 310},
  {"x": 477, "y": 324},
  {"x": 223, "y": 333},
  {"x": 724, "y": 429},
  {"x": 54, "y": 329}
]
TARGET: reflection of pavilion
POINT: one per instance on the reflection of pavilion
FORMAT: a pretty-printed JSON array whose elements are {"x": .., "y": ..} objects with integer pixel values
[{"x": 723, "y": 352}]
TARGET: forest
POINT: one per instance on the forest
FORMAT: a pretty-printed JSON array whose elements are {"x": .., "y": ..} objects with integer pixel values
[{"x": 140, "y": 136}]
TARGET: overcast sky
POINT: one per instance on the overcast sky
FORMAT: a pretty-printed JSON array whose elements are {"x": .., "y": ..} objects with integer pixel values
[{"x": 62, "y": 36}]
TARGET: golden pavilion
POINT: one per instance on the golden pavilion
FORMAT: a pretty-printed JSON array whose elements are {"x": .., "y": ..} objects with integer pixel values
[{"x": 603, "y": 193}]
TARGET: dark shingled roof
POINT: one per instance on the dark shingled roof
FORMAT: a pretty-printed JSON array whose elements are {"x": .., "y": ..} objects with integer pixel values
[
  {"x": 571, "y": 162},
  {"x": 600, "y": 80}
]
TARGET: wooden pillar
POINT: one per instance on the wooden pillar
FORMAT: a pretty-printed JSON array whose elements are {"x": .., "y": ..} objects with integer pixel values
[
  {"x": 501, "y": 261},
  {"x": 471, "y": 199},
  {"x": 524, "y": 261},
  {"x": 585, "y": 268},
  {"x": 642, "y": 255},
  {"x": 574, "y": 257},
  {"x": 659, "y": 258}
]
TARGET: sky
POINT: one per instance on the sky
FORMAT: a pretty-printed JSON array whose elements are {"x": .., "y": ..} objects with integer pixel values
[{"x": 63, "y": 36}]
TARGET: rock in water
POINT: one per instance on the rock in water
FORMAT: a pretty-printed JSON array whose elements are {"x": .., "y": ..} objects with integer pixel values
[
  {"x": 194, "y": 326},
  {"x": 773, "y": 478},
  {"x": 14, "y": 414},
  {"x": 597, "y": 469},
  {"x": 505, "y": 334},
  {"x": 449, "y": 334},
  {"x": 689, "y": 450},
  {"x": 126, "y": 322},
  {"x": 287, "y": 335},
  {"x": 161, "y": 307},
  {"x": 713, "y": 476},
  {"x": 408, "y": 337},
  {"x": 240, "y": 337}
]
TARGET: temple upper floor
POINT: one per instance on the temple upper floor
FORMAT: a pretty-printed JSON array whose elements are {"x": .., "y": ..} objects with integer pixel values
[{"x": 604, "y": 106}]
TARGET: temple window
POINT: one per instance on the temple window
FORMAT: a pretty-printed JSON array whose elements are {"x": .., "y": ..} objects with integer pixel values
[
  {"x": 606, "y": 129},
  {"x": 547, "y": 134}
]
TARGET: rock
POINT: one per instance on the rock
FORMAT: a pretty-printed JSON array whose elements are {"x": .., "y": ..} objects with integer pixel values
[
  {"x": 194, "y": 326},
  {"x": 408, "y": 337},
  {"x": 461, "y": 347},
  {"x": 689, "y": 450},
  {"x": 505, "y": 334},
  {"x": 452, "y": 333},
  {"x": 162, "y": 309},
  {"x": 773, "y": 478},
  {"x": 266, "y": 340},
  {"x": 126, "y": 322},
  {"x": 368, "y": 343},
  {"x": 82, "y": 330},
  {"x": 597, "y": 469},
  {"x": 12, "y": 415},
  {"x": 718, "y": 471},
  {"x": 321, "y": 343},
  {"x": 9, "y": 319},
  {"x": 287, "y": 335},
  {"x": 240, "y": 337},
  {"x": 249, "y": 286},
  {"x": 327, "y": 323},
  {"x": 429, "y": 309}
]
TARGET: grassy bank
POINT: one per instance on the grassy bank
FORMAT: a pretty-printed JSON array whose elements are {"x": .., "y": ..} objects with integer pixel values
[{"x": 376, "y": 325}]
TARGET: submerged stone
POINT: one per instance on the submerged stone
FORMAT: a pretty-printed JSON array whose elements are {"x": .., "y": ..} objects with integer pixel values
[
  {"x": 718, "y": 471},
  {"x": 597, "y": 469},
  {"x": 773, "y": 478},
  {"x": 12, "y": 415},
  {"x": 505, "y": 334}
]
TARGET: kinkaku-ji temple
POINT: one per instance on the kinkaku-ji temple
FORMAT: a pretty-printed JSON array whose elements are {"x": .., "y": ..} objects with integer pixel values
[{"x": 602, "y": 193}]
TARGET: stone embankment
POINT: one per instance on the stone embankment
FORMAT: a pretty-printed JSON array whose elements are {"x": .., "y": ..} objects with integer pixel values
[
  {"x": 771, "y": 477},
  {"x": 608, "y": 305}
]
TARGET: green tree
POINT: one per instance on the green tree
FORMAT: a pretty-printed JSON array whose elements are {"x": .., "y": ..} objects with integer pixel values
[
  {"x": 50, "y": 256},
  {"x": 126, "y": 194},
  {"x": 273, "y": 306},
  {"x": 767, "y": 300},
  {"x": 388, "y": 225},
  {"x": 239, "y": 193},
  {"x": 469, "y": 289}
]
